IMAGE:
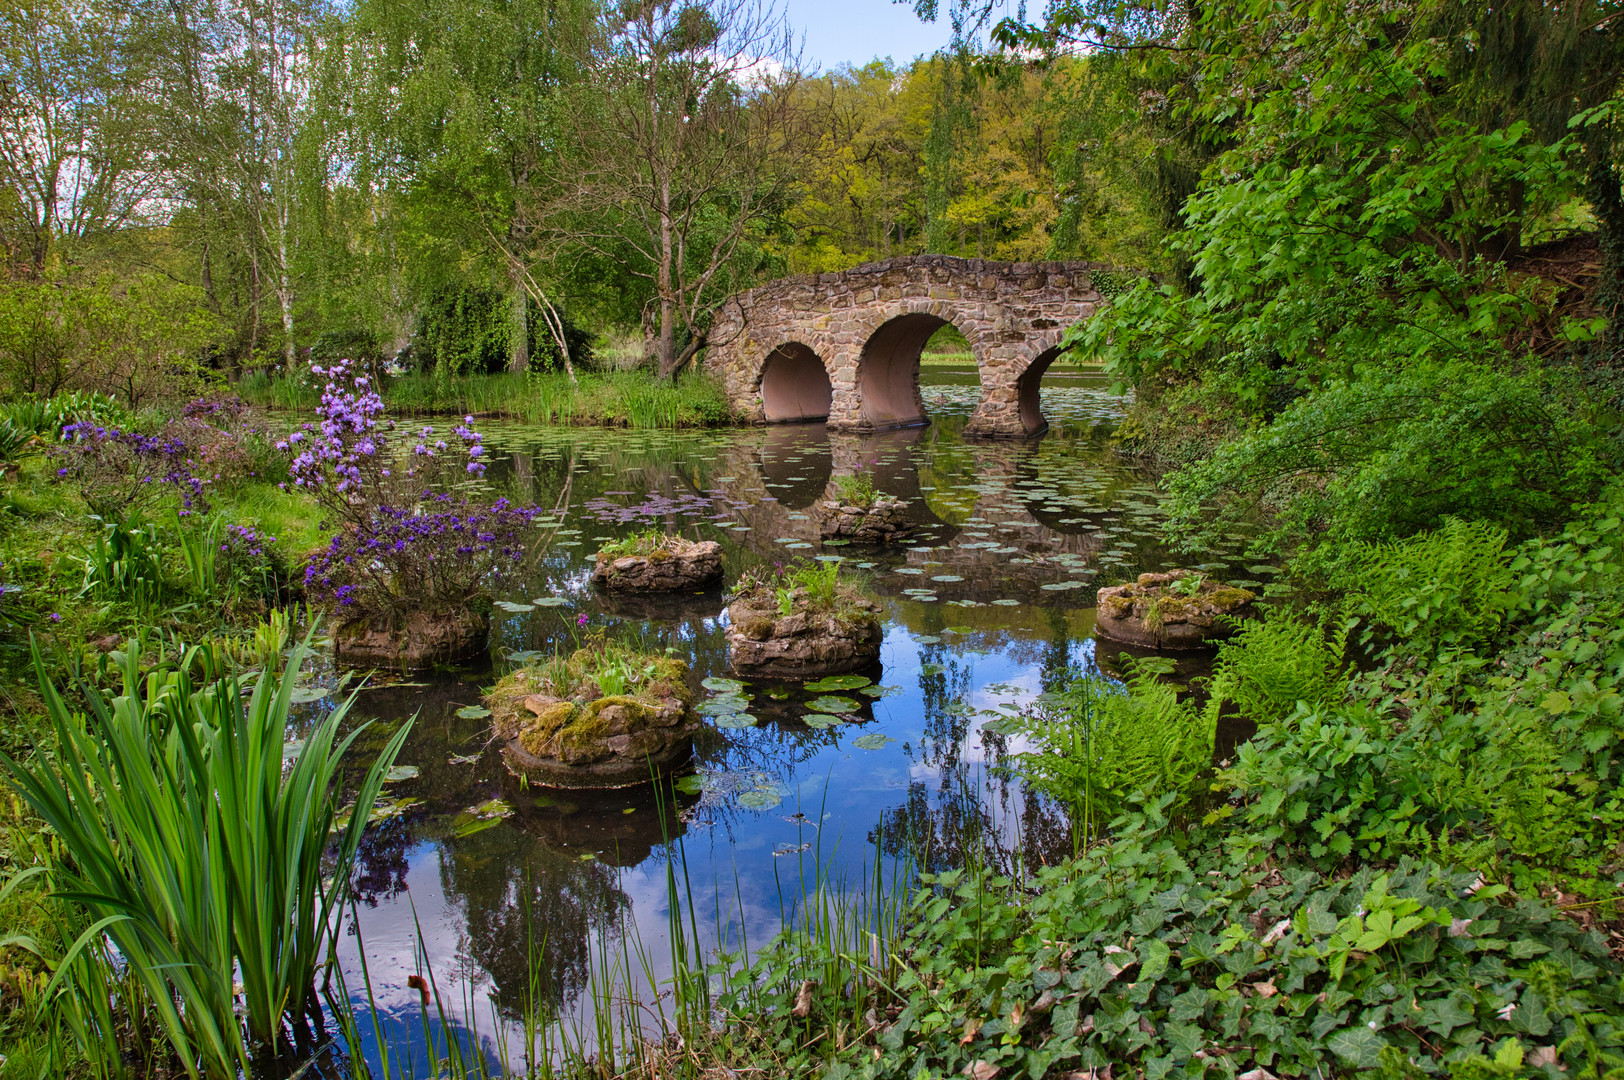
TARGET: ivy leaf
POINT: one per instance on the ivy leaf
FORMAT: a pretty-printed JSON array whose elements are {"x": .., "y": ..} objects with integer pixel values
[
  {"x": 1358, "y": 1046},
  {"x": 1153, "y": 957}
]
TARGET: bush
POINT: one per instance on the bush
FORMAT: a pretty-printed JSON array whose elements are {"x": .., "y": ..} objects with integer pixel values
[
  {"x": 1450, "y": 587},
  {"x": 405, "y": 538}
]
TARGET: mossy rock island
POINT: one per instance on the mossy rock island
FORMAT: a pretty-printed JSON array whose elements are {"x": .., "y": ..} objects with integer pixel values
[
  {"x": 411, "y": 640},
  {"x": 801, "y": 623},
  {"x": 860, "y": 514},
  {"x": 603, "y": 718},
  {"x": 1176, "y": 610},
  {"x": 656, "y": 562}
]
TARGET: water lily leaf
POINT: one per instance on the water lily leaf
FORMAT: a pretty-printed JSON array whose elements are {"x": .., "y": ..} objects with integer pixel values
[
  {"x": 724, "y": 704},
  {"x": 479, "y": 818},
  {"x": 400, "y": 772},
  {"x": 946, "y": 577},
  {"x": 512, "y": 608},
  {"x": 462, "y": 759},
  {"x": 873, "y": 741},
  {"x": 880, "y": 691},
  {"x": 473, "y": 712},
  {"x": 384, "y": 809},
  {"x": 760, "y": 799},
  {"x": 837, "y": 682},
  {"x": 725, "y": 686},
  {"x": 1063, "y": 586},
  {"x": 791, "y": 849},
  {"x": 1006, "y": 602},
  {"x": 820, "y": 720},
  {"x": 928, "y": 639},
  {"x": 551, "y": 601},
  {"x": 522, "y": 656},
  {"x": 304, "y": 695},
  {"x": 734, "y": 721},
  {"x": 692, "y": 784},
  {"x": 833, "y": 703},
  {"x": 932, "y": 669}
]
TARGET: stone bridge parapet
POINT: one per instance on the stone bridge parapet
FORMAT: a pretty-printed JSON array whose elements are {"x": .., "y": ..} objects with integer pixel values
[{"x": 845, "y": 346}]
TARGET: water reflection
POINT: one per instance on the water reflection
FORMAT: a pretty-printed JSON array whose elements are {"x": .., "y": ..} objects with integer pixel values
[{"x": 990, "y": 603}]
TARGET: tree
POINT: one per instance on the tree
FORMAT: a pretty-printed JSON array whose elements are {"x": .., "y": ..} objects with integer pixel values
[
  {"x": 680, "y": 145},
  {"x": 75, "y": 109}
]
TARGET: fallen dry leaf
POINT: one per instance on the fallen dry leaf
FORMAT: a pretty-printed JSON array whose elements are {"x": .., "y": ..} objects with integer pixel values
[{"x": 980, "y": 1070}]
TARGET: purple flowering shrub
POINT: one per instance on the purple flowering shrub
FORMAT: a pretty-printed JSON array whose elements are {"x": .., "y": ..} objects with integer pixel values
[
  {"x": 121, "y": 472},
  {"x": 407, "y": 536}
]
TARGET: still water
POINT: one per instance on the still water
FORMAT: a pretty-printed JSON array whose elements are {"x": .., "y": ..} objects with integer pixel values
[{"x": 470, "y": 876}]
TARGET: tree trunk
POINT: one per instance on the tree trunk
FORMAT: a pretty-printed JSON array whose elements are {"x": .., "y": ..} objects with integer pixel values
[
  {"x": 665, "y": 286},
  {"x": 519, "y": 331}
]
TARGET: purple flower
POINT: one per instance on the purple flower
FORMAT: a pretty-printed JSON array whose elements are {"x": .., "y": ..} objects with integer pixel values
[
  {"x": 582, "y": 619},
  {"x": 55, "y": 617}
]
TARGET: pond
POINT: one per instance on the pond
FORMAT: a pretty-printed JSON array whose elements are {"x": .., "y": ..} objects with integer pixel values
[{"x": 470, "y": 875}]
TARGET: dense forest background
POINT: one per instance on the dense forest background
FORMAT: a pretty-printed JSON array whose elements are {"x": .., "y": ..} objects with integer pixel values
[{"x": 235, "y": 184}]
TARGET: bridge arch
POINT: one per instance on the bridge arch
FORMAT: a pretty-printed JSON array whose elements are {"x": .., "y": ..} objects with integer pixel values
[
  {"x": 888, "y": 366},
  {"x": 866, "y": 325},
  {"x": 795, "y": 385}
]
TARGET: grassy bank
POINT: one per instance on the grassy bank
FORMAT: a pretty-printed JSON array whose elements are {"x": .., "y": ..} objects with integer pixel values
[{"x": 613, "y": 399}]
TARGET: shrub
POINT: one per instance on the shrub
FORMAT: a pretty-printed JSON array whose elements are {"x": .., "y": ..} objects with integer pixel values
[
  {"x": 405, "y": 538},
  {"x": 1449, "y": 587},
  {"x": 122, "y": 472}
]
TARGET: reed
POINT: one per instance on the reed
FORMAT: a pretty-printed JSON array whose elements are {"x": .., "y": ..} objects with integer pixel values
[{"x": 195, "y": 850}]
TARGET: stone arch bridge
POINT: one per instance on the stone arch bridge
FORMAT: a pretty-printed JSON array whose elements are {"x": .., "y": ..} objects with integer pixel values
[{"x": 844, "y": 347}]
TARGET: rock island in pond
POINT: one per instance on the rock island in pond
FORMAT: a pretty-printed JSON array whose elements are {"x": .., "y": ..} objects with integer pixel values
[
  {"x": 1180, "y": 609},
  {"x": 657, "y": 562},
  {"x": 603, "y": 717},
  {"x": 801, "y": 621}
]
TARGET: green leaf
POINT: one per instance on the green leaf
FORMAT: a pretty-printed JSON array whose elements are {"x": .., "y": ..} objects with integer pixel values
[
  {"x": 874, "y": 741},
  {"x": 1359, "y": 1046},
  {"x": 838, "y": 682},
  {"x": 473, "y": 712}
]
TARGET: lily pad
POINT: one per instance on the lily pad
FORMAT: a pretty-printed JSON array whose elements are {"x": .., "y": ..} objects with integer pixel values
[
  {"x": 513, "y": 609},
  {"x": 304, "y": 695},
  {"x": 724, "y": 704},
  {"x": 737, "y": 721},
  {"x": 692, "y": 784},
  {"x": 820, "y": 720},
  {"x": 1007, "y": 602},
  {"x": 473, "y": 712},
  {"x": 384, "y": 809},
  {"x": 932, "y": 669},
  {"x": 722, "y": 686},
  {"x": 551, "y": 601},
  {"x": 838, "y": 682},
  {"x": 946, "y": 577},
  {"x": 400, "y": 772},
  {"x": 760, "y": 799},
  {"x": 880, "y": 691},
  {"x": 522, "y": 656},
  {"x": 927, "y": 639},
  {"x": 479, "y": 818},
  {"x": 462, "y": 759},
  {"x": 873, "y": 741},
  {"x": 833, "y": 703}
]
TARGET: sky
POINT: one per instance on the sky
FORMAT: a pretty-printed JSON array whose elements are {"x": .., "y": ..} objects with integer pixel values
[{"x": 857, "y": 31}]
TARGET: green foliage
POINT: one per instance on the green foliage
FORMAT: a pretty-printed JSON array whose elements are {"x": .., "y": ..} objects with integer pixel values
[
  {"x": 194, "y": 838},
  {"x": 1147, "y": 955},
  {"x": 1275, "y": 662},
  {"x": 1102, "y": 745},
  {"x": 820, "y": 581},
  {"x": 124, "y": 562},
  {"x": 1505, "y": 760},
  {"x": 856, "y": 489},
  {"x": 1399, "y": 449},
  {"x": 1450, "y": 587}
]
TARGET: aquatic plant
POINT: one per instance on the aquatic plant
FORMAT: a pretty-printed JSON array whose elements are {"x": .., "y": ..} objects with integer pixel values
[
  {"x": 198, "y": 841},
  {"x": 406, "y": 537},
  {"x": 856, "y": 489}
]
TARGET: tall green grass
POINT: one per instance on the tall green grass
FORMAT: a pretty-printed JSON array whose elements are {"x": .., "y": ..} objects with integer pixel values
[
  {"x": 193, "y": 840},
  {"x": 631, "y": 398}
]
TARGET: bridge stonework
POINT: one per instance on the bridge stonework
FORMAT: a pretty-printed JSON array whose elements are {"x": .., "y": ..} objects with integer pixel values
[{"x": 846, "y": 345}]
